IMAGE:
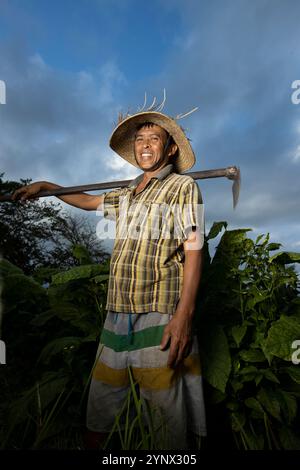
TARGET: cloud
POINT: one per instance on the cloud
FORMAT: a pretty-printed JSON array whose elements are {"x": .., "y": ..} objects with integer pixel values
[
  {"x": 54, "y": 122},
  {"x": 56, "y": 125}
]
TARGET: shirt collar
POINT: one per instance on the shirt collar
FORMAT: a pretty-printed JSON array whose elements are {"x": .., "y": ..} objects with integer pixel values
[{"x": 162, "y": 174}]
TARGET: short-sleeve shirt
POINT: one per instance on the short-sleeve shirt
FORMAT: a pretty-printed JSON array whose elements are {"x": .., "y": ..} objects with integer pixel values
[{"x": 146, "y": 268}]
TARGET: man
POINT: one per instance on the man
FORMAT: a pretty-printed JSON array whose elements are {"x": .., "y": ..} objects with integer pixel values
[{"x": 154, "y": 278}]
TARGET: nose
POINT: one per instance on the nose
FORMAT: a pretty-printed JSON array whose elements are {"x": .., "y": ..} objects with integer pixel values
[{"x": 146, "y": 143}]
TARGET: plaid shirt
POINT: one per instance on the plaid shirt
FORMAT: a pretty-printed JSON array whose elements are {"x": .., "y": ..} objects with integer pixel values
[{"x": 146, "y": 269}]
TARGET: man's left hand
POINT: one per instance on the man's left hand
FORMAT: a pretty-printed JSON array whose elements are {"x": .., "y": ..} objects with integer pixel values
[{"x": 178, "y": 333}]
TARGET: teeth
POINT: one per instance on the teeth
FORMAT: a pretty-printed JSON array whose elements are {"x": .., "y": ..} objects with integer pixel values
[{"x": 146, "y": 154}]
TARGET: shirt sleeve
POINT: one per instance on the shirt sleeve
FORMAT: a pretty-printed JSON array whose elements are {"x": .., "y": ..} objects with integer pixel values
[
  {"x": 191, "y": 211},
  {"x": 111, "y": 203}
]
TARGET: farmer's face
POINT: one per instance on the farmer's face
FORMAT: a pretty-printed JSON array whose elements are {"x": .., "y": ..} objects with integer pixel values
[{"x": 149, "y": 147}]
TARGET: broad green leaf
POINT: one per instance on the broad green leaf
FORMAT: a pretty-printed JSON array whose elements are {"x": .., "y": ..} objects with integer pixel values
[
  {"x": 273, "y": 246},
  {"x": 238, "y": 420},
  {"x": 238, "y": 332},
  {"x": 215, "y": 356},
  {"x": 285, "y": 257},
  {"x": 231, "y": 238},
  {"x": 281, "y": 336},
  {"x": 256, "y": 297},
  {"x": 236, "y": 385},
  {"x": 43, "y": 274},
  {"x": 248, "y": 370},
  {"x": 233, "y": 245},
  {"x": 79, "y": 272},
  {"x": 254, "y": 404},
  {"x": 254, "y": 441},
  {"x": 81, "y": 253},
  {"x": 232, "y": 405},
  {"x": 260, "y": 343},
  {"x": 265, "y": 240},
  {"x": 288, "y": 405},
  {"x": 21, "y": 289},
  {"x": 77, "y": 316},
  {"x": 259, "y": 237},
  {"x": 268, "y": 374},
  {"x": 258, "y": 378},
  {"x": 269, "y": 401},
  {"x": 252, "y": 355},
  {"x": 216, "y": 229},
  {"x": 101, "y": 278}
]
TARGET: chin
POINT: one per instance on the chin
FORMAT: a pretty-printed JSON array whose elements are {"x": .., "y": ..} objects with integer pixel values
[{"x": 146, "y": 166}]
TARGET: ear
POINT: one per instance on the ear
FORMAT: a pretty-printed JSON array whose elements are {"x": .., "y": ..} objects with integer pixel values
[{"x": 172, "y": 150}]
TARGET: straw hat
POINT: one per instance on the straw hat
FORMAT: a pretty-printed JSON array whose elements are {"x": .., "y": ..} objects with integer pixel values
[{"x": 122, "y": 138}]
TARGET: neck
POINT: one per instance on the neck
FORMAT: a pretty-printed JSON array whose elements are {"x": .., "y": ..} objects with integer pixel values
[{"x": 150, "y": 174}]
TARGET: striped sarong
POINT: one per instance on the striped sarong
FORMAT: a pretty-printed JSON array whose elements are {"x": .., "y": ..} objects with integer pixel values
[{"x": 133, "y": 340}]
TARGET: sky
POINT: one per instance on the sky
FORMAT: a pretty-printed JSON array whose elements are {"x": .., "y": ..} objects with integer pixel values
[{"x": 69, "y": 67}]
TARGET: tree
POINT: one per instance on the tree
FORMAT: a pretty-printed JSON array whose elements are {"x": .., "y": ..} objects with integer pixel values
[
  {"x": 73, "y": 234},
  {"x": 39, "y": 233}
]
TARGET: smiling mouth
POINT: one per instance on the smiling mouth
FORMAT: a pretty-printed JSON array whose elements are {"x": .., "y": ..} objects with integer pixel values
[{"x": 146, "y": 154}]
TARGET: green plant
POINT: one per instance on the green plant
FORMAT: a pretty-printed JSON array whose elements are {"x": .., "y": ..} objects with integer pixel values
[
  {"x": 50, "y": 359},
  {"x": 250, "y": 316}
]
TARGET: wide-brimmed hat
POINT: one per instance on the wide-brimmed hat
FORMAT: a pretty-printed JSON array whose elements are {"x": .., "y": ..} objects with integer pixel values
[{"x": 122, "y": 138}]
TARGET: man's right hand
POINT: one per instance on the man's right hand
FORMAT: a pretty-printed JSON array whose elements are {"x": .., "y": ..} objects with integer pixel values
[{"x": 29, "y": 191}]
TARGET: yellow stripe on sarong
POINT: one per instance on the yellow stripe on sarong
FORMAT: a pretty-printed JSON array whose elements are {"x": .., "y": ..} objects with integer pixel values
[
  {"x": 156, "y": 378},
  {"x": 108, "y": 375},
  {"x": 159, "y": 378}
]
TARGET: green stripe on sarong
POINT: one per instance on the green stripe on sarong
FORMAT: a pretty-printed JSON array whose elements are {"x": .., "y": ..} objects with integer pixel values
[{"x": 141, "y": 339}]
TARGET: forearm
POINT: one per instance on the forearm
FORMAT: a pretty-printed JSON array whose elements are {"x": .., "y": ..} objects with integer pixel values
[
  {"x": 81, "y": 200},
  {"x": 191, "y": 280},
  {"x": 179, "y": 329}
]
